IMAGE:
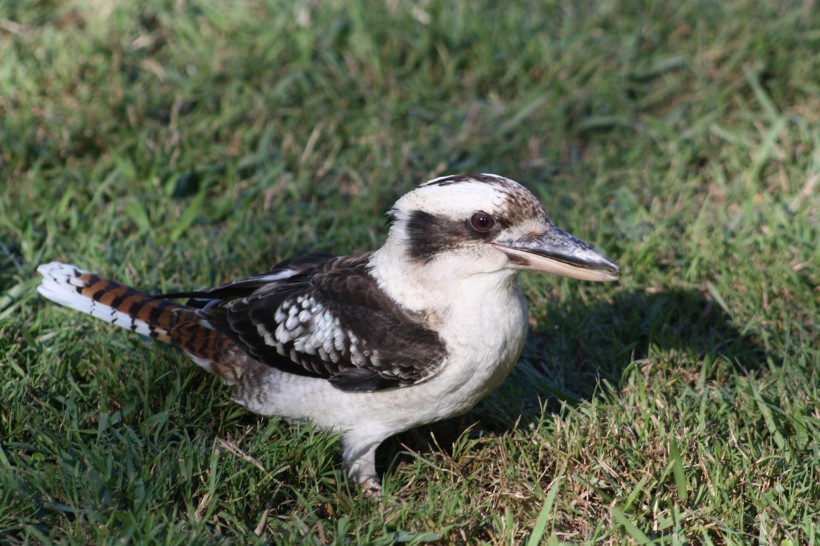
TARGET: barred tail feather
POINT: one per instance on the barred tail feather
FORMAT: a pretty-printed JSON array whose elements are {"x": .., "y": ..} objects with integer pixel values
[
  {"x": 105, "y": 299},
  {"x": 141, "y": 313}
]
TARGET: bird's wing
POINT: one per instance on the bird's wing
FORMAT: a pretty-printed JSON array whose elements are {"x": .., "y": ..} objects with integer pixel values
[{"x": 324, "y": 316}]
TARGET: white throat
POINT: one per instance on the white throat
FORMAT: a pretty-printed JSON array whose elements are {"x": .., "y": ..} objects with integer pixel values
[{"x": 481, "y": 317}]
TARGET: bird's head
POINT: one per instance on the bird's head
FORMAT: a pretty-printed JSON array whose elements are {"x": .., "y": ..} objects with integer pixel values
[{"x": 474, "y": 224}]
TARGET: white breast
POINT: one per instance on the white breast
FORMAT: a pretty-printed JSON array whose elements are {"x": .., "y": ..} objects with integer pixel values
[{"x": 483, "y": 324}]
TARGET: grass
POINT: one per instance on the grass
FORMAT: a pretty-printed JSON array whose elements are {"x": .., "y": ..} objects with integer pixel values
[{"x": 181, "y": 144}]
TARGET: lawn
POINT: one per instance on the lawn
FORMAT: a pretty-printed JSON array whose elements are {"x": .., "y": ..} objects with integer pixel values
[{"x": 187, "y": 143}]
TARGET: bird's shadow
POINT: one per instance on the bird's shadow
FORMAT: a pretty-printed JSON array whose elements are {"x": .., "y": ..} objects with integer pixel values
[{"x": 579, "y": 346}]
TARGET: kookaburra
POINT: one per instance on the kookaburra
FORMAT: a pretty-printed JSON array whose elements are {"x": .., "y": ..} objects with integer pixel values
[{"x": 372, "y": 344}]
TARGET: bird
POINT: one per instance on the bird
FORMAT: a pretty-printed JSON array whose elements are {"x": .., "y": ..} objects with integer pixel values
[{"x": 372, "y": 344}]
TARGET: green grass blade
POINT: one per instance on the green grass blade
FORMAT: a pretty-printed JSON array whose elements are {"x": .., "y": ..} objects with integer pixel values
[
  {"x": 188, "y": 216},
  {"x": 677, "y": 471},
  {"x": 636, "y": 534},
  {"x": 543, "y": 516}
]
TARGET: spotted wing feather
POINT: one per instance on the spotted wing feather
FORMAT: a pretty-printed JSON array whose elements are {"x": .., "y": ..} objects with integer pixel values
[{"x": 330, "y": 320}]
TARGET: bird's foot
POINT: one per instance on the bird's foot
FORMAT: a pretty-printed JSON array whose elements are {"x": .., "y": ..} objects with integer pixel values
[{"x": 371, "y": 488}]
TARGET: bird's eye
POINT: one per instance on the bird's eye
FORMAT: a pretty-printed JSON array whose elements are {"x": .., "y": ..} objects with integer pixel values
[{"x": 482, "y": 222}]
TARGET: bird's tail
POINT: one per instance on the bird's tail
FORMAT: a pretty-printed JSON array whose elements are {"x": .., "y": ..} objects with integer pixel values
[{"x": 139, "y": 312}]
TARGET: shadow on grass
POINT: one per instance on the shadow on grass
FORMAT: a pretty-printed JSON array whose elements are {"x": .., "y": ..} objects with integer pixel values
[
  {"x": 579, "y": 346},
  {"x": 584, "y": 343}
]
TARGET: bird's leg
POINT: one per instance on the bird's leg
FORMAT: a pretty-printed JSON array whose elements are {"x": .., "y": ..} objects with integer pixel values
[{"x": 359, "y": 460}]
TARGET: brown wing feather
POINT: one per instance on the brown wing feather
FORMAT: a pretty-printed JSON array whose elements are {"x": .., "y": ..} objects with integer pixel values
[{"x": 332, "y": 321}]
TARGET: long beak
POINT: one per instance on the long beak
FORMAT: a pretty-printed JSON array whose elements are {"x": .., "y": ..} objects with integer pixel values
[{"x": 556, "y": 251}]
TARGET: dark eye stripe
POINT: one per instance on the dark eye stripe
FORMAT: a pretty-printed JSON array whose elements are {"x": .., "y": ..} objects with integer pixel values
[{"x": 429, "y": 234}]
